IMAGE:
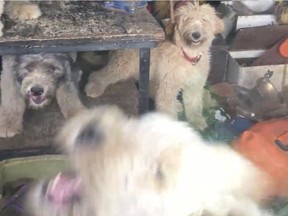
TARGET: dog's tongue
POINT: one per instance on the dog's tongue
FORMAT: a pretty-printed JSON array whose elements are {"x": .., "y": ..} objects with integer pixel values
[
  {"x": 37, "y": 99},
  {"x": 63, "y": 188}
]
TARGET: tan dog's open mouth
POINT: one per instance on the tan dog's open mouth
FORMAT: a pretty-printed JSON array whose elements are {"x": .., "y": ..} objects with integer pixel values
[{"x": 196, "y": 42}]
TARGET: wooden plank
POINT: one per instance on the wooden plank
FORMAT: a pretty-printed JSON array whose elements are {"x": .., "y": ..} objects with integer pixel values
[
  {"x": 261, "y": 38},
  {"x": 271, "y": 56}
]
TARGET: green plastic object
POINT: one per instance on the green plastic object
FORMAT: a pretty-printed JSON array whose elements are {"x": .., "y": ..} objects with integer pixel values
[{"x": 34, "y": 167}]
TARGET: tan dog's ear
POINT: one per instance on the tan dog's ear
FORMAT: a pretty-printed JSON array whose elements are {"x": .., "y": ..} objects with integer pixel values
[
  {"x": 172, "y": 27},
  {"x": 219, "y": 25},
  {"x": 169, "y": 30}
]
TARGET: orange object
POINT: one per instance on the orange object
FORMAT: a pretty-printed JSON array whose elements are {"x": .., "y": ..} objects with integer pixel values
[
  {"x": 283, "y": 48},
  {"x": 266, "y": 145}
]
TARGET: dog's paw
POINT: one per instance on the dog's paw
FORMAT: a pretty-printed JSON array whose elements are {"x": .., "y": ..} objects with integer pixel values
[
  {"x": 199, "y": 123},
  {"x": 9, "y": 127},
  {"x": 94, "y": 89},
  {"x": 25, "y": 11},
  {"x": 6, "y": 131}
]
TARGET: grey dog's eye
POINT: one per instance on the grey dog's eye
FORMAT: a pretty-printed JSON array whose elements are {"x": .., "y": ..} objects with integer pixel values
[
  {"x": 30, "y": 66},
  {"x": 51, "y": 68},
  {"x": 54, "y": 69}
]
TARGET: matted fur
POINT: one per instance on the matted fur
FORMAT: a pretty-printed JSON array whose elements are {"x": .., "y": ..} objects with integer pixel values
[
  {"x": 21, "y": 10},
  {"x": 150, "y": 166},
  {"x": 54, "y": 73},
  {"x": 170, "y": 72},
  {"x": 1, "y": 12}
]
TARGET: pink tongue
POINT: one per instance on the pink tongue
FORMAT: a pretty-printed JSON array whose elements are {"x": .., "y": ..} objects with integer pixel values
[
  {"x": 63, "y": 188},
  {"x": 37, "y": 99}
]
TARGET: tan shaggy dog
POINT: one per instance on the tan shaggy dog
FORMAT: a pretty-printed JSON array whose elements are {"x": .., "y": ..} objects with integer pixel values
[
  {"x": 152, "y": 166},
  {"x": 183, "y": 64}
]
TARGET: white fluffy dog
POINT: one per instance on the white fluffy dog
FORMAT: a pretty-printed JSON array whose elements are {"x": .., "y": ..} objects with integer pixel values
[
  {"x": 183, "y": 64},
  {"x": 150, "y": 166}
]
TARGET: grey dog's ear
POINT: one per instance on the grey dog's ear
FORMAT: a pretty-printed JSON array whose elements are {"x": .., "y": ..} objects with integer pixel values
[
  {"x": 73, "y": 56},
  {"x": 219, "y": 25},
  {"x": 68, "y": 69},
  {"x": 72, "y": 71}
]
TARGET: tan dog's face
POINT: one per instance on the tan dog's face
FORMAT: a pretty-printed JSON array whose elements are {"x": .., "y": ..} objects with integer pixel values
[{"x": 197, "y": 24}]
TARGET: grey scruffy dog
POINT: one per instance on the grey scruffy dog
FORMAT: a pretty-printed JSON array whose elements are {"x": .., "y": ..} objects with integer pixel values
[{"x": 32, "y": 81}]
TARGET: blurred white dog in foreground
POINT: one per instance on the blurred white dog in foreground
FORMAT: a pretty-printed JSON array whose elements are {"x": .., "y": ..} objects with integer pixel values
[{"x": 152, "y": 166}]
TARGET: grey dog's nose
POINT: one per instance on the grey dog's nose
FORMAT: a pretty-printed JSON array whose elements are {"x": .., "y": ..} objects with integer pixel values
[
  {"x": 37, "y": 90},
  {"x": 196, "y": 35},
  {"x": 90, "y": 135}
]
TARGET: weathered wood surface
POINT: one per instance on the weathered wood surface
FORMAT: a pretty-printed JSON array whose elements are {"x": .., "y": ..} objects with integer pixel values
[{"x": 78, "y": 22}]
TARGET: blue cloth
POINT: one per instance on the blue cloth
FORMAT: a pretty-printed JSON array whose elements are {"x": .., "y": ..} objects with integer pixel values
[
  {"x": 127, "y": 6},
  {"x": 14, "y": 205},
  {"x": 226, "y": 131}
]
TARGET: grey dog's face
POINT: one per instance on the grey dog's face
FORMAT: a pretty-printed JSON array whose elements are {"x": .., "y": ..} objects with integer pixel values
[
  {"x": 197, "y": 25},
  {"x": 39, "y": 75}
]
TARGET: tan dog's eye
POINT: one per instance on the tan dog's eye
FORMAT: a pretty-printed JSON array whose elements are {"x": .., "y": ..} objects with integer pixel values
[
  {"x": 187, "y": 19},
  {"x": 205, "y": 19}
]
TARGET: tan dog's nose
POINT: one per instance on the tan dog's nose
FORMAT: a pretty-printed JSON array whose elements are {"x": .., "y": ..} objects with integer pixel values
[{"x": 196, "y": 35}]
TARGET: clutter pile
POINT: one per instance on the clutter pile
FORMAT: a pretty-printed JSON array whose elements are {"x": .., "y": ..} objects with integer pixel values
[{"x": 252, "y": 95}]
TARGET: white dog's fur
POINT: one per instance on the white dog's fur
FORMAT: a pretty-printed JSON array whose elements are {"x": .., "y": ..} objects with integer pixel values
[
  {"x": 150, "y": 166},
  {"x": 170, "y": 72},
  {"x": 21, "y": 10}
]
